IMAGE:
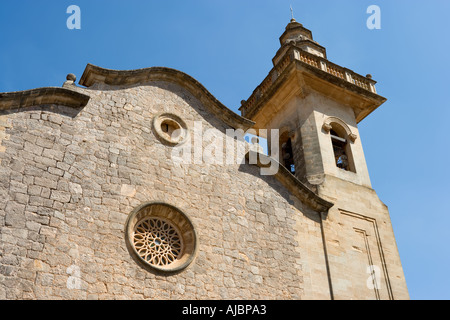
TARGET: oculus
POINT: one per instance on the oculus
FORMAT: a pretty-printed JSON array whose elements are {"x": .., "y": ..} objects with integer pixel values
[
  {"x": 161, "y": 237},
  {"x": 170, "y": 128}
]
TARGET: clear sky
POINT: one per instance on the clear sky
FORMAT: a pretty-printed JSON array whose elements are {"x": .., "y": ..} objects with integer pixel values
[{"x": 228, "y": 45}]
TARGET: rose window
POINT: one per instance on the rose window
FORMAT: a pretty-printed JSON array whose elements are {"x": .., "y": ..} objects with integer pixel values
[
  {"x": 157, "y": 241},
  {"x": 161, "y": 237}
]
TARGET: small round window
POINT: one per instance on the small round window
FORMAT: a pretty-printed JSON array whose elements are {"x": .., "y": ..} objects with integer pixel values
[
  {"x": 161, "y": 237},
  {"x": 170, "y": 128}
]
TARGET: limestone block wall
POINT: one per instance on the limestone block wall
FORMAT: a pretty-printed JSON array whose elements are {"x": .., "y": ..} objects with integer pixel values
[
  {"x": 297, "y": 117},
  {"x": 70, "y": 178},
  {"x": 357, "y": 231},
  {"x": 358, "y": 235},
  {"x": 323, "y": 109}
]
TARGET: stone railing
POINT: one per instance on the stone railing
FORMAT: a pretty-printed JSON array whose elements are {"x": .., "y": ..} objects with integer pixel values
[
  {"x": 315, "y": 61},
  {"x": 335, "y": 70},
  {"x": 362, "y": 82}
]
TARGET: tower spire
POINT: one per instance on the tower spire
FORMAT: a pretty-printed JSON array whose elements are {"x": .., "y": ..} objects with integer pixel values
[{"x": 292, "y": 14}]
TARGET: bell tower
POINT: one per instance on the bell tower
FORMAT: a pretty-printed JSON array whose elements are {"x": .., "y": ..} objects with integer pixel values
[{"x": 317, "y": 105}]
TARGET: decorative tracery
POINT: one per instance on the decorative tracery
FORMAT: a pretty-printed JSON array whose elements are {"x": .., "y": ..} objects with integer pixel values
[{"x": 157, "y": 241}]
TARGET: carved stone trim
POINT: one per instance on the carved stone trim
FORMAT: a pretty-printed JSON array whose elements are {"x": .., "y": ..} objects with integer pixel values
[
  {"x": 375, "y": 233},
  {"x": 42, "y": 96},
  {"x": 161, "y": 237},
  {"x": 93, "y": 74},
  {"x": 157, "y": 241},
  {"x": 300, "y": 190},
  {"x": 178, "y": 132},
  {"x": 327, "y": 127}
]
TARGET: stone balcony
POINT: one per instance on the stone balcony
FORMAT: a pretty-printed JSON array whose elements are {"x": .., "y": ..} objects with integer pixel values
[{"x": 287, "y": 56}]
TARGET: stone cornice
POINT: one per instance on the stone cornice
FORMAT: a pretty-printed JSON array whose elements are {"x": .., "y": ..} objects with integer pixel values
[
  {"x": 95, "y": 75},
  {"x": 315, "y": 73},
  {"x": 295, "y": 186},
  {"x": 42, "y": 96}
]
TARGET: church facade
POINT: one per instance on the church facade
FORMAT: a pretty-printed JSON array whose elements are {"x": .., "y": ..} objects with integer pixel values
[{"x": 116, "y": 188}]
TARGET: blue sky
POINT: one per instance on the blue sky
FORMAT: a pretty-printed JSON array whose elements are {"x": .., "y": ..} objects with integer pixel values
[{"x": 228, "y": 47}]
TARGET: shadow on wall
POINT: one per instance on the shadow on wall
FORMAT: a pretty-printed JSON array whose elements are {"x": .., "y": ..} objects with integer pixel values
[{"x": 277, "y": 187}]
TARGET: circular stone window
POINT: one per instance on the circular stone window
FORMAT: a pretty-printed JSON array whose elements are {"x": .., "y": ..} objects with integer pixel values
[
  {"x": 161, "y": 237},
  {"x": 170, "y": 128}
]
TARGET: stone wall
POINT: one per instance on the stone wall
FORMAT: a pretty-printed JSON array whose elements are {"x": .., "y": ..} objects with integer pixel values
[
  {"x": 356, "y": 233},
  {"x": 70, "y": 179},
  {"x": 359, "y": 234}
]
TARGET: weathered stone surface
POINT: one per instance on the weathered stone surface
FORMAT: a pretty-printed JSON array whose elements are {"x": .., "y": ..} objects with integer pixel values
[{"x": 75, "y": 206}]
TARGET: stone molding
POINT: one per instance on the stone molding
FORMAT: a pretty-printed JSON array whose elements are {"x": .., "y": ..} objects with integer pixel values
[
  {"x": 327, "y": 127},
  {"x": 295, "y": 186},
  {"x": 177, "y": 122},
  {"x": 43, "y": 96},
  {"x": 174, "y": 216},
  {"x": 292, "y": 62},
  {"x": 95, "y": 75}
]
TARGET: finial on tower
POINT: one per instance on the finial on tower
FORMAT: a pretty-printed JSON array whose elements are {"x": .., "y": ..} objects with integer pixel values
[{"x": 292, "y": 15}]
